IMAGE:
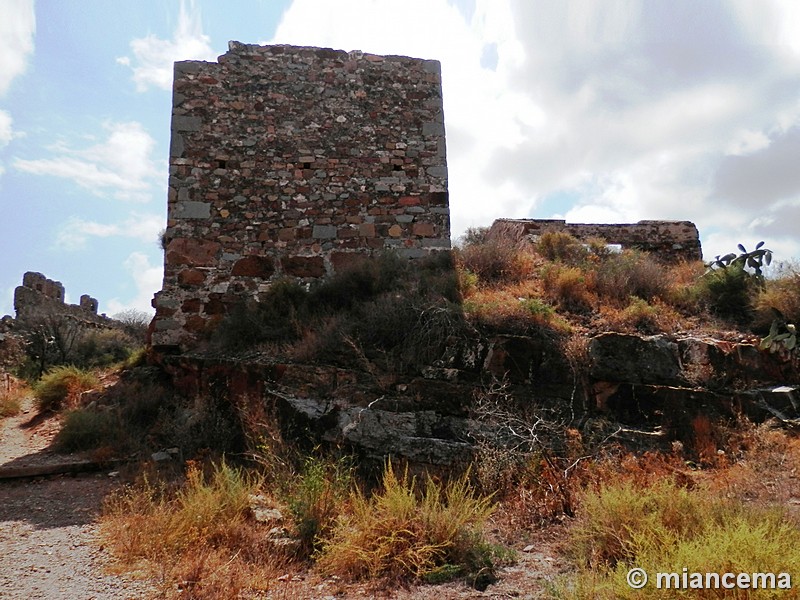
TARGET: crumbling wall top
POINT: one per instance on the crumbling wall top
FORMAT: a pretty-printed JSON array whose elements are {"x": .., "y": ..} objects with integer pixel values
[{"x": 670, "y": 241}]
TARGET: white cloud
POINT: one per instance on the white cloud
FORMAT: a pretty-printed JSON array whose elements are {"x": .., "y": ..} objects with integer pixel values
[
  {"x": 146, "y": 277},
  {"x": 121, "y": 165},
  {"x": 154, "y": 57},
  {"x": 143, "y": 227},
  {"x": 17, "y": 26},
  {"x": 6, "y": 130}
]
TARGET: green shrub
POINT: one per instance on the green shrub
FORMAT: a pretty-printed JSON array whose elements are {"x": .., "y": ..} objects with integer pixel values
[
  {"x": 104, "y": 347},
  {"x": 361, "y": 282},
  {"x": 277, "y": 316},
  {"x": 62, "y": 384},
  {"x": 316, "y": 498},
  {"x": 403, "y": 532},
  {"x": 85, "y": 429},
  {"x": 729, "y": 294}
]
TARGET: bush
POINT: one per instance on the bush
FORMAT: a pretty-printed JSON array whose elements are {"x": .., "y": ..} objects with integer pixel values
[
  {"x": 497, "y": 262},
  {"x": 62, "y": 386},
  {"x": 103, "y": 347},
  {"x": 276, "y": 317},
  {"x": 403, "y": 532},
  {"x": 630, "y": 273},
  {"x": 562, "y": 247},
  {"x": 781, "y": 293},
  {"x": 566, "y": 286},
  {"x": 10, "y": 403},
  {"x": 316, "y": 498},
  {"x": 729, "y": 294},
  {"x": 85, "y": 429}
]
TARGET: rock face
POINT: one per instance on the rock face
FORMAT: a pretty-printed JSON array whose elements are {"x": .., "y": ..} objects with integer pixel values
[
  {"x": 657, "y": 384},
  {"x": 289, "y": 162}
]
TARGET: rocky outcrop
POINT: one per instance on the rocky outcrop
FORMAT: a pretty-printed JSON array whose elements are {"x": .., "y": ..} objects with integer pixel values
[{"x": 657, "y": 384}]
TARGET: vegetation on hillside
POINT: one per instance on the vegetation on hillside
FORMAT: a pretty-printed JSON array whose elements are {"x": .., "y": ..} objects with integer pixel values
[{"x": 241, "y": 512}]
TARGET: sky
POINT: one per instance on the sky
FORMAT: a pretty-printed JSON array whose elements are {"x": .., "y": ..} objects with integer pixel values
[{"x": 606, "y": 112}]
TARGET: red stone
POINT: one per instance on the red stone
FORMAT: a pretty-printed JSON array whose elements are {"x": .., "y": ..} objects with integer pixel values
[
  {"x": 303, "y": 266},
  {"x": 254, "y": 266},
  {"x": 195, "y": 324},
  {"x": 345, "y": 260},
  {"x": 192, "y": 252},
  {"x": 189, "y": 277},
  {"x": 424, "y": 229}
]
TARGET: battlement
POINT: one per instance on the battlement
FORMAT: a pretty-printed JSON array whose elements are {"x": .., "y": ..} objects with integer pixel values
[{"x": 39, "y": 297}]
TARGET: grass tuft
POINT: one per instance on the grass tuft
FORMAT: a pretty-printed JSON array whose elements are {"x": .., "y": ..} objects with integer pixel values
[
  {"x": 407, "y": 531},
  {"x": 62, "y": 386}
]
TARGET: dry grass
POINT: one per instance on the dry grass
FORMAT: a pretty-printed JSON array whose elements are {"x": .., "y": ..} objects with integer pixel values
[
  {"x": 497, "y": 262},
  {"x": 403, "y": 532},
  {"x": 664, "y": 528},
  {"x": 62, "y": 387},
  {"x": 200, "y": 540},
  {"x": 11, "y": 397}
]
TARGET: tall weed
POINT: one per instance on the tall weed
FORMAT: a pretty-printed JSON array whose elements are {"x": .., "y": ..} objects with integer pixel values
[{"x": 406, "y": 531}]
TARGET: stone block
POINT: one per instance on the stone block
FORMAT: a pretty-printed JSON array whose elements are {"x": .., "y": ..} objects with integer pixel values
[
  {"x": 303, "y": 266},
  {"x": 424, "y": 229},
  {"x": 191, "y": 210},
  {"x": 184, "y": 123},
  {"x": 254, "y": 266},
  {"x": 324, "y": 232},
  {"x": 192, "y": 252}
]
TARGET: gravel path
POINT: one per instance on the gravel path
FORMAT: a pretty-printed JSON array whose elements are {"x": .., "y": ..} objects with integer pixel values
[{"x": 48, "y": 530}]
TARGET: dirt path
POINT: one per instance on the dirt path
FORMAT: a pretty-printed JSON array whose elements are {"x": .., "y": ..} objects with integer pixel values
[{"x": 48, "y": 530}]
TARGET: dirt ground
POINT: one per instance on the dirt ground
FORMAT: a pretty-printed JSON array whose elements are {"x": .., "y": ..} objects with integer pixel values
[
  {"x": 48, "y": 529},
  {"x": 49, "y": 546}
]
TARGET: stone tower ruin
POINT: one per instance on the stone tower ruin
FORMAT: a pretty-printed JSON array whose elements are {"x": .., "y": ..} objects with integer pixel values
[{"x": 295, "y": 162}]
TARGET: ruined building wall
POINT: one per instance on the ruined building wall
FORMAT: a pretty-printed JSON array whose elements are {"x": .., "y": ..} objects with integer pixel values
[
  {"x": 40, "y": 298},
  {"x": 294, "y": 161},
  {"x": 671, "y": 241}
]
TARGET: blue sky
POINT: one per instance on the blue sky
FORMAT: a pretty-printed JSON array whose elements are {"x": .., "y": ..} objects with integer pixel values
[{"x": 608, "y": 111}]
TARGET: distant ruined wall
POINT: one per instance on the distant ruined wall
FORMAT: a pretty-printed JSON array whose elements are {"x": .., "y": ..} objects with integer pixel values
[
  {"x": 671, "y": 241},
  {"x": 295, "y": 162},
  {"x": 39, "y": 297}
]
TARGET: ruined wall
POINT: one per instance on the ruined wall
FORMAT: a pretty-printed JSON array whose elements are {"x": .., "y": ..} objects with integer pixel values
[
  {"x": 670, "y": 241},
  {"x": 294, "y": 161},
  {"x": 39, "y": 297}
]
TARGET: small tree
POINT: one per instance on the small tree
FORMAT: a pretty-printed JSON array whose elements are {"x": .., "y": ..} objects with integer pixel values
[{"x": 135, "y": 323}]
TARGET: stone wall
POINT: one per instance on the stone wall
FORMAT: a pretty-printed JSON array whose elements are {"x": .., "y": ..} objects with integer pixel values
[
  {"x": 295, "y": 162},
  {"x": 39, "y": 297},
  {"x": 670, "y": 241}
]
